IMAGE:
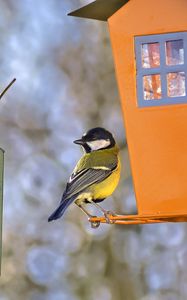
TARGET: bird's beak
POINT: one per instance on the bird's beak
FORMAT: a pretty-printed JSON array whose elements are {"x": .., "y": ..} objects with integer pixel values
[{"x": 79, "y": 142}]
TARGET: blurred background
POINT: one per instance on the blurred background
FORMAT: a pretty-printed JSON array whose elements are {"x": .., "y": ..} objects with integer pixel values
[{"x": 65, "y": 85}]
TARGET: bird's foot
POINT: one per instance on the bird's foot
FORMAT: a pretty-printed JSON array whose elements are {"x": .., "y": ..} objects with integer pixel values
[
  {"x": 110, "y": 212},
  {"x": 107, "y": 215},
  {"x": 94, "y": 224}
]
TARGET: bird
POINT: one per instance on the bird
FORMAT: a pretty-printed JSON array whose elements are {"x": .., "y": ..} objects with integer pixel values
[{"x": 95, "y": 176}]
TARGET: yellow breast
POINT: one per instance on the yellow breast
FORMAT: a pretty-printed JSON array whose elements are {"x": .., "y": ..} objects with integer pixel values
[{"x": 105, "y": 188}]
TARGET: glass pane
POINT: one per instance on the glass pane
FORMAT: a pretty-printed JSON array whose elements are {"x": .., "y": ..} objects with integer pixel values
[
  {"x": 174, "y": 52},
  {"x": 176, "y": 84},
  {"x": 152, "y": 87},
  {"x": 150, "y": 55}
]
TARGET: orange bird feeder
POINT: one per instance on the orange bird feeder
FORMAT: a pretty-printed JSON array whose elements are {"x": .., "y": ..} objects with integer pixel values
[{"x": 149, "y": 41}]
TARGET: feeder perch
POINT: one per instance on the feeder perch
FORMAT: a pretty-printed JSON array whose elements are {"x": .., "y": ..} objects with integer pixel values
[{"x": 149, "y": 42}]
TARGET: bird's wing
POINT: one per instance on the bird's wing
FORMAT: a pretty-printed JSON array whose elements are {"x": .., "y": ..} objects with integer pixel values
[{"x": 81, "y": 180}]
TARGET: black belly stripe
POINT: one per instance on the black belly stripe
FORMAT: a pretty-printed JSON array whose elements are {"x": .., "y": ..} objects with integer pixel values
[{"x": 95, "y": 200}]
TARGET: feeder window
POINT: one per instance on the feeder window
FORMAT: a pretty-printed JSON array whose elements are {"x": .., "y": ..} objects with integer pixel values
[
  {"x": 174, "y": 52},
  {"x": 150, "y": 55},
  {"x": 176, "y": 84},
  {"x": 161, "y": 69},
  {"x": 152, "y": 87}
]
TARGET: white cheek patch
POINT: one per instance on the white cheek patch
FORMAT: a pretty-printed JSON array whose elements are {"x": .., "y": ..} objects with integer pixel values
[{"x": 98, "y": 144}]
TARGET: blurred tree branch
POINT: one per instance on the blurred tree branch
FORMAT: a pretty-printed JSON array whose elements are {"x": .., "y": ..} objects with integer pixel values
[{"x": 6, "y": 89}]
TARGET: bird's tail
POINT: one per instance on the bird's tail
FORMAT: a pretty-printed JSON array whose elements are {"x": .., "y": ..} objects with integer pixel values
[{"x": 61, "y": 209}]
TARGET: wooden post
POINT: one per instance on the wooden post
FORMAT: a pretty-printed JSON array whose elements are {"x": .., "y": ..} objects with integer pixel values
[
  {"x": 1, "y": 182},
  {"x": 1, "y": 200}
]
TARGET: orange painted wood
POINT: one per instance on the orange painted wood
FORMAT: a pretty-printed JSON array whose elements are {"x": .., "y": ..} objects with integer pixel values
[{"x": 157, "y": 136}]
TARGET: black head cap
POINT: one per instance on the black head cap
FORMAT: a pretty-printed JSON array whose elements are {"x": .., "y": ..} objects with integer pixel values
[{"x": 95, "y": 134}]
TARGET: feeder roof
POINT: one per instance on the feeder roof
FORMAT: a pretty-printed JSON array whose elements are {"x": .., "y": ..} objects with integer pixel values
[{"x": 99, "y": 9}]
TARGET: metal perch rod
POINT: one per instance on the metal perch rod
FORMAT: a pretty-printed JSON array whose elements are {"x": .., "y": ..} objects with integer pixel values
[
  {"x": 124, "y": 220},
  {"x": 140, "y": 219}
]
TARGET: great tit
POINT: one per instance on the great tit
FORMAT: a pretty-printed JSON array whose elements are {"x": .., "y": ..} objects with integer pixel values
[{"x": 96, "y": 174}]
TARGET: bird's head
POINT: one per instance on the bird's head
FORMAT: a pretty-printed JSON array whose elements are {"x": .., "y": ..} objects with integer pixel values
[{"x": 96, "y": 139}]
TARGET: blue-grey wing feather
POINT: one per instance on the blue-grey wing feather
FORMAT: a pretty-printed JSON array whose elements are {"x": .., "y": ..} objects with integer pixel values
[{"x": 82, "y": 180}]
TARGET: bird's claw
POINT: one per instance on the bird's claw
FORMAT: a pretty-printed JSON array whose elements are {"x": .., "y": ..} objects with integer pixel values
[
  {"x": 107, "y": 215},
  {"x": 110, "y": 212},
  {"x": 94, "y": 224}
]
